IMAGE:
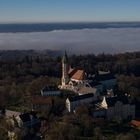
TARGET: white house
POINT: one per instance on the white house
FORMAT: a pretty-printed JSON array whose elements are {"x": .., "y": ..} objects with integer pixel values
[
  {"x": 114, "y": 108},
  {"x": 75, "y": 101}
]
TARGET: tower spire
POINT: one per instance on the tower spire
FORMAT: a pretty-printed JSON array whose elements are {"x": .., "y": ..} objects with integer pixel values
[
  {"x": 65, "y": 58},
  {"x": 65, "y": 68}
]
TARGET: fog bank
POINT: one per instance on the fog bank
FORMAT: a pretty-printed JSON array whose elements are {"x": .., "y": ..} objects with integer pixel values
[{"x": 75, "y": 41}]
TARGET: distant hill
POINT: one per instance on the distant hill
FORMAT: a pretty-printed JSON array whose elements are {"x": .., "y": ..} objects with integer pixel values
[
  {"x": 46, "y": 27},
  {"x": 20, "y": 54}
]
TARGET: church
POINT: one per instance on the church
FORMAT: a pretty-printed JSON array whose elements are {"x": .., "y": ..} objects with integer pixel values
[
  {"x": 70, "y": 76},
  {"x": 77, "y": 80}
]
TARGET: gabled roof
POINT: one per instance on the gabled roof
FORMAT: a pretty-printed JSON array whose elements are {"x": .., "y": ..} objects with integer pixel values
[
  {"x": 103, "y": 72},
  {"x": 111, "y": 101},
  {"x": 104, "y": 103},
  {"x": 10, "y": 113},
  {"x": 78, "y": 75},
  {"x": 50, "y": 88},
  {"x": 86, "y": 90},
  {"x": 81, "y": 97}
]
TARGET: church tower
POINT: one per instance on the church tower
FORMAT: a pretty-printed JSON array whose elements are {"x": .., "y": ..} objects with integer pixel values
[{"x": 65, "y": 69}]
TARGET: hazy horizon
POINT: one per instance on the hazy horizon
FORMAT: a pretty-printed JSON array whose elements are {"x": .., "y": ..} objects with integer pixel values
[{"x": 96, "y": 21}]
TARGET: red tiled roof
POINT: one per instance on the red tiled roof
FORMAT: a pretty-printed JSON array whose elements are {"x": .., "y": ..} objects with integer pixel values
[
  {"x": 135, "y": 123},
  {"x": 78, "y": 75},
  {"x": 42, "y": 100}
]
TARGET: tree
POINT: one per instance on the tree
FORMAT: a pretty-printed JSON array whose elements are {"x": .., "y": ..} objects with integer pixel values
[{"x": 128, "y": 136}]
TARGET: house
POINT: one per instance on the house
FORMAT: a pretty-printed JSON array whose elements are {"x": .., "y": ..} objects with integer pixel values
[
  {"x": 114, "y": 108},
  {"x": 17, "y": 119},
  {"x": 29, "y": 119},
  {"x": 12, "y": 117},
  {"x": 41, "y": 103},
  {"x": 89, "y": 90},
  {"x": 75, "y": 101},
  {"x": 50, "y": 91},
  {"x": 10, "y": 113}
]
